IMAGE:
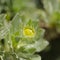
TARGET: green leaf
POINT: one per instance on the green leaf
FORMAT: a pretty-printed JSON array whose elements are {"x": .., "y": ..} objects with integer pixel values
[
  {"x": 4, "y": 26},
  {"x": 36, "y": 57}
]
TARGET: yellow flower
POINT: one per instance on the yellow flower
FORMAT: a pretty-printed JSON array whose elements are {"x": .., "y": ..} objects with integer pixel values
[{"x": 29, "y": 32}]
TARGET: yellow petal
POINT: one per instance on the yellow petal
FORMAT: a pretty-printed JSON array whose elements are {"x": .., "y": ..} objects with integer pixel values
[{"x": 28, "y": 32}]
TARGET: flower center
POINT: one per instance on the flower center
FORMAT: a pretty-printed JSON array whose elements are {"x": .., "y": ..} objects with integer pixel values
[{"x": 28, "y": 32}]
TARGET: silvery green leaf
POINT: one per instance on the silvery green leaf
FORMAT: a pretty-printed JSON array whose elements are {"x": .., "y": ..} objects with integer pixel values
[
  {"x": 35, "y": 57},
  {"x": 37, "y": 46},
  {"x": 10, "y": 56},
  {"x": 4, "y": 27}
]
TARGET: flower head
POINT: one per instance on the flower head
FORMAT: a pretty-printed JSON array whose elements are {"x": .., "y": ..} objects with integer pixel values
[{"x": 29, "y": 32}]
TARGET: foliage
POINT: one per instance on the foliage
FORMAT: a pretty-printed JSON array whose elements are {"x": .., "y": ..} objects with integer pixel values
[
  {"x": 20, "y": 42},
  {"x": 50, "y": 18},
  {"x": 51, "y": 15},
  {"x": 22, "y": 37}
]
